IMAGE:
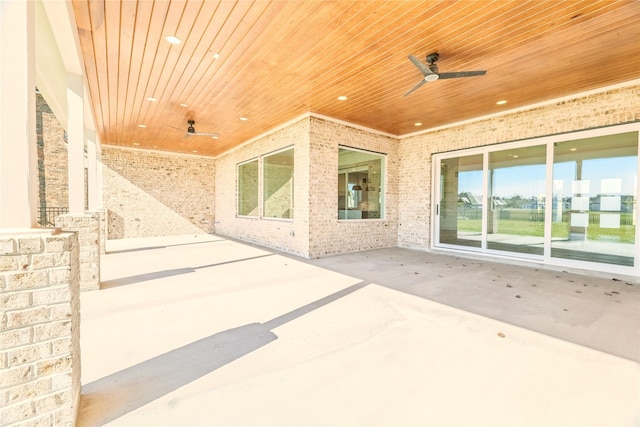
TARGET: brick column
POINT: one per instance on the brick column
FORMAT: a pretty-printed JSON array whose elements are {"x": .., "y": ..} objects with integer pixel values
[
  {"x": 39, "y": 329},
  {"x": 88, "y": 228}
]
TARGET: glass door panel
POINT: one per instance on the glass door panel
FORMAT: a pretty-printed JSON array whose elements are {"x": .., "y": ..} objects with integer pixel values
[
  {"x": 594, "y": 199},
  {"x": 515, "y": 219},
  {"x": 460, "y": 207}
]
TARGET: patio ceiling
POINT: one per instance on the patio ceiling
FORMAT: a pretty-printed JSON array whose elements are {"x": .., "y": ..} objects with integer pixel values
[{"x": 272, "y": 61}]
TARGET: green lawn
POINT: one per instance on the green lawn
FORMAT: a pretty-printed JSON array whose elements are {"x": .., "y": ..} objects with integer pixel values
[{"x": 524, "y": 227}]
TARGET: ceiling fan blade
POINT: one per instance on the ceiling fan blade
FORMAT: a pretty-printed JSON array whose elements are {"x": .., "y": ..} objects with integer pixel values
[
  {"x": 461, "y": 74},
  {"x": 415, "y": 87},
  {"x": 212, "y": 135},
  {"x": 422, "y": 67}
]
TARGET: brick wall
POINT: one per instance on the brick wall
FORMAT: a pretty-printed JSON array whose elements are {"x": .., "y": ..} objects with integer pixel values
[
  {"x": 327, "y": 235},
  {"x": 315, "y": 230},
  {"x": 52, "y": 158},
  {"x": 600, "y": 109},
  {"x": 285, "y": 235},
  {"x": 39, "y": 329},
  {"x": 156, "y": 194},
  {"x": 88, "y": 228}
]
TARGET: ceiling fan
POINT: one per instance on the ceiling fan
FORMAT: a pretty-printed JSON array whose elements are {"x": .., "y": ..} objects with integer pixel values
[
  {"x": 191, "y": 131},
  {"x": 430, "y": 71}
]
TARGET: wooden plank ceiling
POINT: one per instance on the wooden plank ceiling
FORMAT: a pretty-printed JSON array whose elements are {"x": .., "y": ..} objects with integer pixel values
[{"x": 272, "y": 61}]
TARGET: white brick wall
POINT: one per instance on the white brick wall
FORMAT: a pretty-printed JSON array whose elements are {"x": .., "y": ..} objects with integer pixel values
[
  {"x": 315, "y": 230},
  {"x": 327, "y": 235},
  {"x": 39, "y": 329},
  {"x": 414, "y": 216},
  {"x": 285, "y": 235},
  {"x": 155, "y": 194}
]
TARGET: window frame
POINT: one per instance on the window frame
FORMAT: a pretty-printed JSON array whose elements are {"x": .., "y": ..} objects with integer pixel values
[{"x": 356, "y": 168}]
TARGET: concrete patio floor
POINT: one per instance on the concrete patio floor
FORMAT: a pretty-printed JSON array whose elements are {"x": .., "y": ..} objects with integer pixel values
[{"x": 206, "y": 331}]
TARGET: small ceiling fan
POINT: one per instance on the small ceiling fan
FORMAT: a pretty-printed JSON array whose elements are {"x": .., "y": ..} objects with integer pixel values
[
  {"x": 430, "y": 71},
  {"x": 191, "y": 131}
]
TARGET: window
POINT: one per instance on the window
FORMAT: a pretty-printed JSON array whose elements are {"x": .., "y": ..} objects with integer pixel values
[
  {"x": 360, "y": 184},
  {"x": 248, "y": 188},
  {"x": 278, "y": 184}
]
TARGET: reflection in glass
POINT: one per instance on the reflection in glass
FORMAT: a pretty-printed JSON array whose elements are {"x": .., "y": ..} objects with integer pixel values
[
  {"x": 360, "y": 184},
  {"x": 278, "y": 184},
  {"x": 594, "y": 199},
  {"x": 515, "y": 220},
  {"x": 248, "y": 188},
  {"x": 461, "y": 201}
]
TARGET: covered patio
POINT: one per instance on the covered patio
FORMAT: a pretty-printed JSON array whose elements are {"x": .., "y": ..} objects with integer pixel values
[{"x": 203, "y": 330}]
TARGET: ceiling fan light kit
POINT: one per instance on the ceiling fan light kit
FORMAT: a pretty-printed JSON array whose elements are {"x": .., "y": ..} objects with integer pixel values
[{"x": 431, "y": 74}]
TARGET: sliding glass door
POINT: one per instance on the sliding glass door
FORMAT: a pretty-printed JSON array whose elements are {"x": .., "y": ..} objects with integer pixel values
[{"x": 562, "y": 200}]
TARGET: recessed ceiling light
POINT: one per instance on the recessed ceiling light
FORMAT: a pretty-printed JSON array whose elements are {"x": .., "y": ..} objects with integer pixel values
[
  {"x": 216, "y": 55},
  {"x": 151, "y": 99},
  {"x": 155, "y": 146},
  {"x": 173, "y": 39},
  {"x": 195, "y": 151},
  {"x": 417, "y": 124},
  {"x": 183, "y": 105},
  {"x": 142, "y": 126},
  {"x": 215, "y": 136},
  {"x": 244, "y": 119},
  {"x": 572, "y": 149},
  {"x": 135, "y": 143},
  {"x": 501, "y": 102},
  {"x": 342, "y": 98}
]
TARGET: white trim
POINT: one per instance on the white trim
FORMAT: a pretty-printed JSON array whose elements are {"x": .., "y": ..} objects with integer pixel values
[{"x": 524, "y": 108}]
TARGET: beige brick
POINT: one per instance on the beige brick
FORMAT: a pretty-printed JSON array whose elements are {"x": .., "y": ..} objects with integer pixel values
[
  {"x": 27, "y": 280},
  {"x": 29, "y": 316},
  {"x": 53, "y": 366},
  {"x": 30, "y": 245},
  {"x": 15, "y": 300},
  {"x": 61, "y": 346},
  {"x": 60, "y": 311},
  {"x": 17, "y": 375},
  {"x": 60, "y": 276},
  {"x": 63, "y": 416},
  {"x": 46, "y": 420},
  {"x": 51, "y": 295},
  {"x": 53, "y": 401},
  {"x": 61, "y": 381},
  {"x": 50, "y": 260},
  {"x": 29, "y": 390},
  {"x": 9, "y": 263},
  {"x": 7, "y": 247},
  {"x": 15, "y": 337},
  {"x": 56, "y": 244},
  {"x": 52, "y": 330},
  {"x": 16, "y": 413},
  {"x": 23, "y": 355}
]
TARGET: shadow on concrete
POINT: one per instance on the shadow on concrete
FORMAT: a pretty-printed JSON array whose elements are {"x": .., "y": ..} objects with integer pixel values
[
  {"x": 147, "y": 248},
  {"x": 115, "y": 395},
  {"x": 108, "y": 284}
]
